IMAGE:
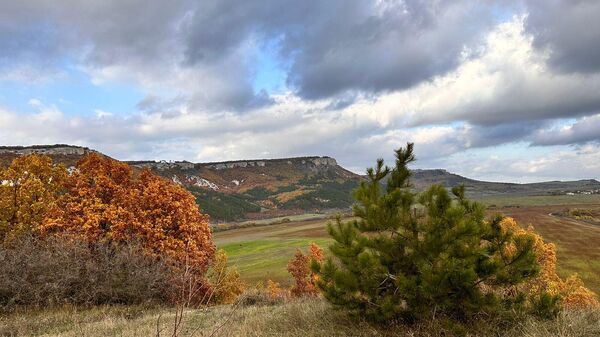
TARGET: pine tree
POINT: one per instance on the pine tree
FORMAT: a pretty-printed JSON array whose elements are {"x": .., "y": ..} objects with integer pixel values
[{"x": 414, "y": 255}]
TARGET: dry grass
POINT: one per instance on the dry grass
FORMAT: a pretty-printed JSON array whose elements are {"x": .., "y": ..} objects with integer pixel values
[
  {"x": 576, "y": 240},
  {"x": 298, "y": 318},
  {"x": 287, "y": 196}
]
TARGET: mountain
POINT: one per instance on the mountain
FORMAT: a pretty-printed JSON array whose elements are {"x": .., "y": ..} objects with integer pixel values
[
  {"x": 262, "y": 188},
  {"x": 236, "y": 190},
  {"x": 250, "y": 189},
  {"x": 478, "y": 188}
]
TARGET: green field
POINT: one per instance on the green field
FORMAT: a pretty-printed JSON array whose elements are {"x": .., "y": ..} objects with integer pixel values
[
  {"x": 260, "y": 260},
  {"x": 262, "y": 253}
]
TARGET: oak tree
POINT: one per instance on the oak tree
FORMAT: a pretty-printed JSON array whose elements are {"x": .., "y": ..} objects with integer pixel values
[
  {"x": 28, "y": 188},
  {"x": 106, "y": 200}
]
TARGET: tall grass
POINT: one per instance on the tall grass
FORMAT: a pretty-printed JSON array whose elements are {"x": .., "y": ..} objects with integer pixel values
[{"x": 309, "y": 317}]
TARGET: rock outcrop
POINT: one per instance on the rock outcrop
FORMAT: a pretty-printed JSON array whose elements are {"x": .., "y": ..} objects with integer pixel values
[{"x": 65, "y": 150}]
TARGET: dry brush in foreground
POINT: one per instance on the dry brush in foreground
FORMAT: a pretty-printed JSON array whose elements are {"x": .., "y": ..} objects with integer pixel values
[{"x": 306, "y": 317}]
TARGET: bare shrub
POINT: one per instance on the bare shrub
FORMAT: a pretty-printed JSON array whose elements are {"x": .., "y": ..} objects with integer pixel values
[{"x": 55, "y": 271}]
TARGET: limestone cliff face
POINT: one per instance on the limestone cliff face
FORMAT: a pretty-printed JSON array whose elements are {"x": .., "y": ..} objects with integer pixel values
[
  {"x": 65, "y": 150},
  {"x": 234, "y": 164},
  {"x": 163, "y": 165},
  {"x": 228, "y": 177},
  {"x": 241, "y": 175},
  {"x": 305, "y": 161}
]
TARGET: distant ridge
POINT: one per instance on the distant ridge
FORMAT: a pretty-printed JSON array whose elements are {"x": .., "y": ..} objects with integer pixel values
[
  {"x": 478, "y": 188},
  {"x": 258, "y": 188}
]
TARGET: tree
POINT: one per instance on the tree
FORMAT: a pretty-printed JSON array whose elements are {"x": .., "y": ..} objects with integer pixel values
[
  {"x": 105, "y": 200},
  {"x": 28, "y": 188},
  {"x": 299, "y": 267},
  {"x": 411, "y": 256}
]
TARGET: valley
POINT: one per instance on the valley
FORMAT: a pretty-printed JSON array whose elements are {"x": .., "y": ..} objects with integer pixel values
[{"x": 262, "y": 253}]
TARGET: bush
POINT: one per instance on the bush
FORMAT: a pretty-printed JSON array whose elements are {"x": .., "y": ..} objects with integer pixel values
[
  {"x": 272, "y": 294},
  {"x": 57, "y": 271},
  {"x": 28, "y": 188},
  {"x": 412, "y": 256},
  {"x": 299, "y": 267},
  {"x": 106, "y": 201},
  {"x": 225, "y": 281}
]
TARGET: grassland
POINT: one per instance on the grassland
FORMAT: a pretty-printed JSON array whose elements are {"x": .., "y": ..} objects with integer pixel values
[
  {"x": 297, "y": 318},
  {"x": 295, "y": 217},
  {"x": 262, "y": 253},
  {"x": 540, "y": 200}
]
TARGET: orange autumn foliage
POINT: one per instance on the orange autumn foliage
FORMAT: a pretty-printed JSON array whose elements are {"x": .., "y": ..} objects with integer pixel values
[
  {"x": 275, "y": 291},
  {"x": 104, "y": 200},
  {"x": 226, "y": 283},
  {"x": 28, "y": 188},
  {"x": 299, "y": 267},
  {"x": 573, "y": 293}
]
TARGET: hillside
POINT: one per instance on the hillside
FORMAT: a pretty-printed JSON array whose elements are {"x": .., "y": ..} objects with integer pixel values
[
  {"x": 478, "y": 188},
  {"x": 264, "y": 188},
  {"x": 253, "y": 189},
  {"x": 238, "y": 190}
]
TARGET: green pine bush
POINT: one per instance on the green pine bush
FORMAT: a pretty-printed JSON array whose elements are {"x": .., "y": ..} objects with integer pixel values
[{"x": 412, "y": 256}]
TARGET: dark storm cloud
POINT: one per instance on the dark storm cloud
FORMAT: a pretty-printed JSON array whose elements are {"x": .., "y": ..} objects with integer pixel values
[
  {"x": 486, "y": 136},
  {"x": 105, "y": 31},
  {"x": 338, "y": 45},
  {"x": 569, "y": 29},
  {"x": 383, "y": 49},
  {"x": 524, "y": 103}
]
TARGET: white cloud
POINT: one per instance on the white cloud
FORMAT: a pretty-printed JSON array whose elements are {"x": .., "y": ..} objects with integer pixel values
[
  {"x": 508, "y": 81},
  {"x": 502, "y": 92}
]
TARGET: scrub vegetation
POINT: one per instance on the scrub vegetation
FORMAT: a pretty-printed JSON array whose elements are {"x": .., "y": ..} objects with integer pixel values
[{"x": 107, "y": 250}]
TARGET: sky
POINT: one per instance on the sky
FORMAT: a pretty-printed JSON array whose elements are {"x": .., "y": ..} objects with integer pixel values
[{"x": 494, "y": 90}]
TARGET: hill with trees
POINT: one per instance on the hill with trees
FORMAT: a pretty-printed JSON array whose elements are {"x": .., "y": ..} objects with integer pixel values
[{"x": 265, "y": 188}]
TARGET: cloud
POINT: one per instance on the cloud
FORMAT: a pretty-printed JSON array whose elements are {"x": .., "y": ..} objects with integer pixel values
[
  {"x": 203, "y": 50},
  {"x": 363, "y": 77},
  {"x": 507, "y": 83},
  {"x": 569, "y": 30},
  {"x": 383, "y": 46},
  {"x": 582, "y": 130},
  {"x": 137, "y": 42},
  {"x": 338, "y": 46},
  {"x": 522, "y": 165}
]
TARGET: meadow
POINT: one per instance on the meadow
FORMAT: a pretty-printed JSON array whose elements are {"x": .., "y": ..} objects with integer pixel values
[
  {"x": 262, "y": 253},
  {"x": 304, "y": 317},
  {"x": 540, "y": 200}
]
